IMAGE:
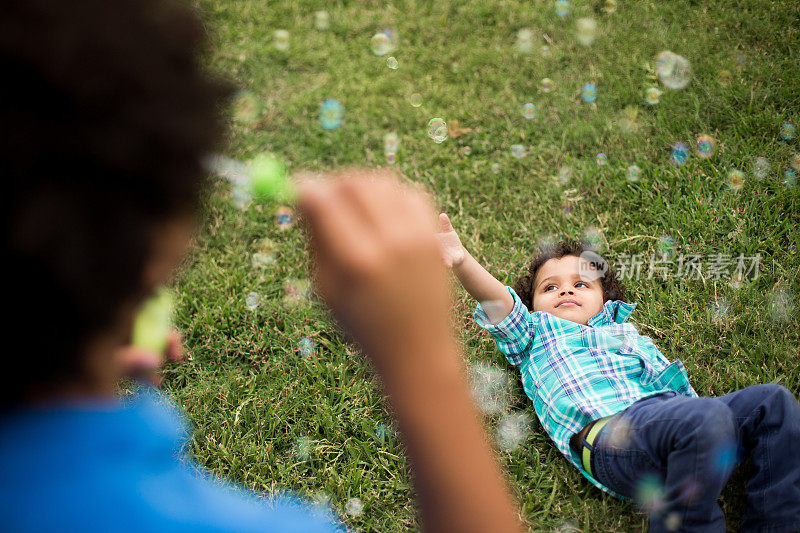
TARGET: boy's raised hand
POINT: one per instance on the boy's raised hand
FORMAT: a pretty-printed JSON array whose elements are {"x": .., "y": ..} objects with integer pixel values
[{"x": 453, "y": 252}]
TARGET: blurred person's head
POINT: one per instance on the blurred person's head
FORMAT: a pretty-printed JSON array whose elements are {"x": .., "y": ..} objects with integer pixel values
[
  {"x": 107, "y": 113},
  {"x": 570, "y": 280}
]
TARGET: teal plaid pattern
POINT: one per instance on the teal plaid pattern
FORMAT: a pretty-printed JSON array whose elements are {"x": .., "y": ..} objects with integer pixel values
[{"x": 576, "y": 374}]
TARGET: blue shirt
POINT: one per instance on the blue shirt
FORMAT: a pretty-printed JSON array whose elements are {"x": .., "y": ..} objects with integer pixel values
[
  {"x": 577, "y": 373},
  {"x": 118, "y": 466}
]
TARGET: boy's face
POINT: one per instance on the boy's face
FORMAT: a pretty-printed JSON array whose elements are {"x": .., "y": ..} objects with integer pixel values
[{"x": 559, "y": 280}]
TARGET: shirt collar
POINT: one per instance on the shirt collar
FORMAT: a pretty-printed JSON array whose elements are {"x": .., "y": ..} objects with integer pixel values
[{"x": 615, "y": 311}]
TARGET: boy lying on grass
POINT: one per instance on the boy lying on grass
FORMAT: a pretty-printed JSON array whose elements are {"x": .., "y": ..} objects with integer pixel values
[{"x": 625, "y": 416}]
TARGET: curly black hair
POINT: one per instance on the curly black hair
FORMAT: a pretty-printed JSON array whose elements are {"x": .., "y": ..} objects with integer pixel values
[
  {"x": 107, "y": 112},
  {"x": 612, "y": 288}
]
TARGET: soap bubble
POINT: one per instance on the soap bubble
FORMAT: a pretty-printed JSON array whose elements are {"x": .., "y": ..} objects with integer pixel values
[
  {"x": 491, "y": 388},
  {"x": 518, "y": 151},
  {"x": 652, "y": 95},
  {"x": 672, "y": 522},
  {"x": 242, "y": 191},
  {"x": 381, "y": 44},
  {"x": 529, "y": 111},
  {"x": 307, "y": 347},
  {"x": 586, "y": 31},
  {"x": 331, "y": 114},
  {"x": 679, "y": 154},
  {"x": 589, "y": 92},
  {"x": 628, "y": 119},
  {"x": 246, "y": 107},
  {"x": 381, "y": 432},
  {"x": 391, "y": 158},
  {"x": 736, "y": 280},
  {"x": 296, "y": 291},
  {"x": 601, "y": 159},
  {"x": 262, "y": 260},
  {"x": 649, "y": 493},
  {"x": 251, "y": 301},
  {"x": 794, "y": 161},
  {"x": 512, "y": 430},
  {"x": 391, "y": 62},
  {"x": 466, "y": 150},
  {"x": 564, "y": 175},
  {"x": 788, "y": 131},
  {"x": 415, "y": 100},
  {"x": 735, "y": 179},
  {"x": 790, "y": 178},
  {"x": 619, "y": 433},
  {"x": 562, "y": 8},
  {"x": 720, "y": 309},
  {"x": 610, "y": 6},
  {"x": 354, "y": 507},
  {"x": 781, "y": 304},
  {"x": 524, "y": 40},
  {"x": 321, "y": 20},
  {"x": 284, "y": 217},
  {"x": 673, "y": 70},
  {"x": 666, "y": 245},
  {"x": 281, "y": 40},
  {"x": 391, "y": 143},
  {"x": 705, "y": 146},
  {"x": 761, "y": 167},
  {"x": 792, "y": 249},
  {"x": 594, "y": 237},
  {"x": 496, "y": 168},
  {"x": 437, "y": 130},
  {"x": 302, "y": 448},
  {"x": 544, "y": 50},
  {"x": 724, "y": 77},
  {"x": 633, "y": 173},
  {"x": 547, "y": 85}
]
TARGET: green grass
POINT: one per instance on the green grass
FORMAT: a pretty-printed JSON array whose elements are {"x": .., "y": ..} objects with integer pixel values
[{"x": 244, "y": 385}]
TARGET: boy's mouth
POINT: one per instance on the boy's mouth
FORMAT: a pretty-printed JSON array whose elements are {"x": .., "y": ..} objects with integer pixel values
[{"x": 568, "y": 303}]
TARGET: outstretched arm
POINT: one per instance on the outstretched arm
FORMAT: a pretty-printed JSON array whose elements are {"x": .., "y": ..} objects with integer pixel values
[{"x": 485, "y": 288}]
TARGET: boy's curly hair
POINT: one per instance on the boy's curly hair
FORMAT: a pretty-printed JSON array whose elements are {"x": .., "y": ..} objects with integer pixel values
[
  {"x": 612, "y": 288},
  {"x": 108, "y": 112}
]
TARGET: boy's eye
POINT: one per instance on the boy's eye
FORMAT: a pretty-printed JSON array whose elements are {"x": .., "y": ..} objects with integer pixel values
[{"x": 579, "y": 283}]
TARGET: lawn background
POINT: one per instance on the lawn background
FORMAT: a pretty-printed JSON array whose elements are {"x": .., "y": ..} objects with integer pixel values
[{"x": 244, "y": 385}]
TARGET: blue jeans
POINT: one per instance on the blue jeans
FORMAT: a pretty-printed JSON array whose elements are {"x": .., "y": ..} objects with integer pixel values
[{"x": 673, "y": 455}]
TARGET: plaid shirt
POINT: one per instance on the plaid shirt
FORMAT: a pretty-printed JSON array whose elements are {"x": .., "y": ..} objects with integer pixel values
[{"x": 575, "y": 374}]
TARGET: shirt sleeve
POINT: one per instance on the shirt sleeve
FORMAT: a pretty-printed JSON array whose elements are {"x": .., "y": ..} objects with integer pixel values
[{"x": 515, "y": 333}]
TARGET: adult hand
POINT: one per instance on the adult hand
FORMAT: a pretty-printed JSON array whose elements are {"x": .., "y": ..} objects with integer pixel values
[
  {"x": 377, "y": 260},
  {"x": 453, "y": 252}
]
